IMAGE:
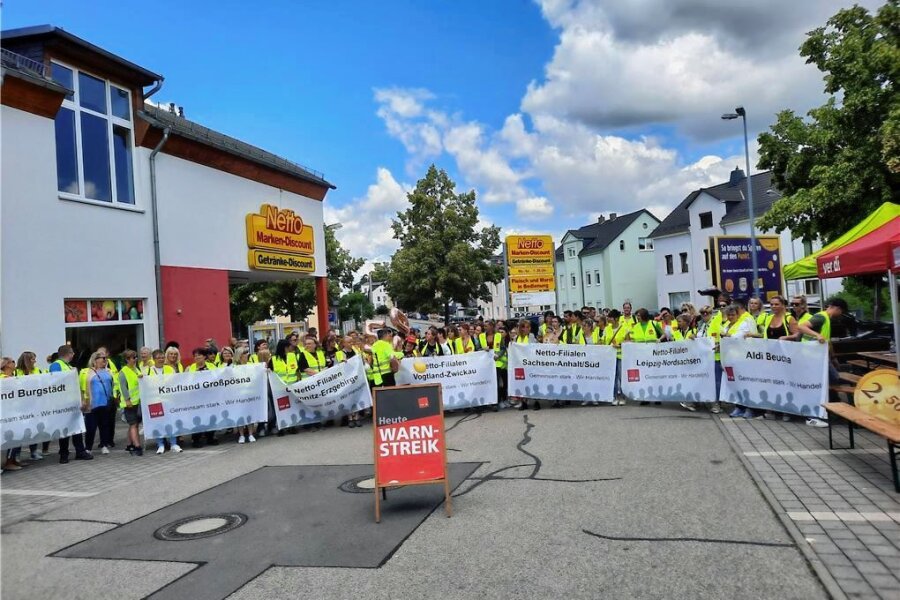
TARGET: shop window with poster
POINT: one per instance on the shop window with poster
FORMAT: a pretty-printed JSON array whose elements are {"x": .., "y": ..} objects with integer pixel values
[{"x": 114, "y": 323}]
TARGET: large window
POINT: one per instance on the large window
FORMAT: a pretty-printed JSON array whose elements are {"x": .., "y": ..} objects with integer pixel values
[
  {"x": 645, "y": 244},
  {"x": 571, "y": 252},
  {"x": 670, "y": 265},
  {"x": 706, "y": 220},
  {"x": 684, "y": 261},
  {"x": 94, "y": 139}
]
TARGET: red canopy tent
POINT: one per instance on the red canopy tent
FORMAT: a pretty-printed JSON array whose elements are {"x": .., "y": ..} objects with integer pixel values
[{"x": 876, "y": 252}]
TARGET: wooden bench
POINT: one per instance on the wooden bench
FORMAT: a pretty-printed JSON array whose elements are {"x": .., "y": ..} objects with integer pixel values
[
  {"x": 843, "y": 388},
  {"x": 849, "y": 377},
  {"x": 855, "y": 417},
  {"x": 862, "y": 364}
]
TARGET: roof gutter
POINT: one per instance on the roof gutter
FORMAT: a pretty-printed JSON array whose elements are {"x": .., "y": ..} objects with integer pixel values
[
  {"x": 157, "y": 268},
  {"x": 156, "y": 87}
]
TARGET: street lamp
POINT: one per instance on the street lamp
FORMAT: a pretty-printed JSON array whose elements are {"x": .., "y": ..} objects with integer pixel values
[{"x": 740, "y": 112}]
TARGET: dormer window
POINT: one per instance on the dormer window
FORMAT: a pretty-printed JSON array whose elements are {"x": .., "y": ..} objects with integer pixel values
[{"x": 94, "y": 139}]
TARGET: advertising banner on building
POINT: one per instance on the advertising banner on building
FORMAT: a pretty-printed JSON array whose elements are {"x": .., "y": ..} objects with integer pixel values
[
  {"x": 787, "y": 377},
  {"x": 467, "y": 380},
  {"x": 39, "y": 408},
  {"x": 733, "y": 265},
  {"x": 562, "y": 372},
  {"x": 198, "y": 401},
  {"x": 670, "y": 372},
  {"x": 332, "y": 394},
  {"x": 530, "y": 264},
  {"x": 409, "y": 435}
]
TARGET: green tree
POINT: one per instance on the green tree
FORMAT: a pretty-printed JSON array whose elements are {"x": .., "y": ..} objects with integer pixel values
[
  {"x": 356, "y": 306},
  {"x": 844, "y": 160},
  {"x": 382, "y": 310},
  {"x": 251, "y": 302},
  {"x": 442, "y": 257}
]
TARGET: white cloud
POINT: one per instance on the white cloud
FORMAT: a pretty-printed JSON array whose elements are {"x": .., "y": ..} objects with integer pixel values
[
  {"x": 533, "y": 209},
  {"x": 366, "y": 222}
]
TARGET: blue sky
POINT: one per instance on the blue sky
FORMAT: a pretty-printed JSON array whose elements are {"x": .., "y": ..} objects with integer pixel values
[{"x": 554, "y": 111}]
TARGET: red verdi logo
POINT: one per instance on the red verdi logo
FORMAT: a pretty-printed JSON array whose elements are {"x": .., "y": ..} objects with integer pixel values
[
  {"x": 284, "y": 403},
  {"x": 520, "y": 373},
  {"x": 423, "y": 402},
  {"x": 156, "y": 410},
  {"x": 634, "y": 375},
  {"x": 729, "y": 372}
]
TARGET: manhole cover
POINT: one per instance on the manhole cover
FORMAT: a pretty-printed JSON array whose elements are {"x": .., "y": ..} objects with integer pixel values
[
  {"x": 199, "y": 526},
  {"x": 362, "y": 485}
]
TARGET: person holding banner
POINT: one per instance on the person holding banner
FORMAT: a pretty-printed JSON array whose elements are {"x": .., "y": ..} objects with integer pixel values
[
  {"x": 254, "y": 358},
  {"x": 284, "y": 362},
  {"x": 755, "y": 310},
  {"x": 574, "y": 332},
  {"x": 627, "y": 318},
  {"x": 779, "y": 324},
  {"x": 312, "y": 359},
  {"x": 202, "y": 363},
  {"x": 524, "y": 336},
  {"x": 799, "y": 309},
  {"x": 99, "y": 390},
  {"x": 11, "y": 461},
  {"x": 818, "y": 329},
  {"x": 7, "y": 367},
  {"x": 173, "y": 359},
  {"x": 158, "y": 368},
  {"x": 464, "y": 343},
  {"x": 739, "y": 324},
  {"x": 130, "y": 399},
  {"x": 705, "y": 329},
  {"x": 64, "y": 356},
  {"x": 27, "y": 365},
  {"x": 615, "y": 335},
  {"x": 644, "y": 331},
  {"x": 591, "y": 333},
  {"x": 226, "y": 357}
]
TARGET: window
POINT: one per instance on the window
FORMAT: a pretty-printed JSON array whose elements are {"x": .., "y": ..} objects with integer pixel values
[
  {"x": 587, "y": 278},
  {"x": 706, "y": 258},
  {"x": 670, "y": 265},
  {"x": 94, "y": 139},
  {"x": 807, "y": 248},
  {"x": 684, "y": 262},
  {"x": 622, "y": 245},
  {"x": 645, "y": 244},
  {"x": 706, "y": 220},
  {"x": 811, "y": 287},
  {"x": 573, "y": 281},
  {"x": 571, "y": 252}
]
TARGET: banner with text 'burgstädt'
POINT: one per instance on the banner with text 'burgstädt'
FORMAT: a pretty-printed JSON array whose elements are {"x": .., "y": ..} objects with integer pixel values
[
  {"x": 198, "y": 401},
  {"x": 566, "y": 372},
  {"x": 39, "y": 408},
  {"x": 782, "y": 376}
]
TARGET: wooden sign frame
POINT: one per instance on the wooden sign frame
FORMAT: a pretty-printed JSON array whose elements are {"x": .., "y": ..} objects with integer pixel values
[{"x": 380, "y": 489}]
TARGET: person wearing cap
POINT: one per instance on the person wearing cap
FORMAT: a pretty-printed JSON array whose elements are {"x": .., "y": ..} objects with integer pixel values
[{"x": 410, "y": 347}]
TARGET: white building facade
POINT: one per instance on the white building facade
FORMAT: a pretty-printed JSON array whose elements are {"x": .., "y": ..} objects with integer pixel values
[
  {"x": 683, "y": 263},
  {"x": 606, "y": 263}
]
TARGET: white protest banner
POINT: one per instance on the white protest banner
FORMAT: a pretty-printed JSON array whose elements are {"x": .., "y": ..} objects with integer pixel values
[
  {"x": 669, "y": 372},
  {"x": 562, "y": 372},
  {"x": 39, "y": 408},
  {"x": 467, "y": 380},
  {"x": 331, "y": 394},
  {"x": 787, "y": 377},
  {"x": 198, "y": 401}
]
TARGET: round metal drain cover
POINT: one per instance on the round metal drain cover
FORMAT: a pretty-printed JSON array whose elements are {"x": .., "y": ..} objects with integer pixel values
[
  {"x": 359, "y": 485},
  {"x": 199, "y": 526}
]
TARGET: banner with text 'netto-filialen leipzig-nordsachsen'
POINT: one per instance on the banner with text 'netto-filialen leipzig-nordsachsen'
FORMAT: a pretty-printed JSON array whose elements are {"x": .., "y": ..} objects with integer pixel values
[
  {"x": 467, "y": 380},
  {"x": 334, "y": 393},
  {"x": 786, "y": 377},
  {"x": 562, "y": 372},
  {"x": 670, "y": 372},
  {"x": 198, "y": 401},
  {"x": 39, "y": 408}
]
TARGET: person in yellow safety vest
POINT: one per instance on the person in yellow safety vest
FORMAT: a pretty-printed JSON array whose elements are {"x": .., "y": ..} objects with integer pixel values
[
  {"x": 755, "y": 310},
  {"x": 65, "y": 355},
  {"x": 799, "y": 309},
  {"x": 706, "y": 329},
  {"x": 410, "y": 347},
  {"x": 818, "y": 329},
  {"x": 740, "y": 324},
  {"x": 616, "y": 334},
  {"x": 173, "y": 359},
  {"x": 464, "y": 343},
  {"x": 130, "y": 400},
  {"x": 203, "y": 361},
  {"x": 644, "y": 331},
  {"x": 312, "y": 358},
  {"x": 627, "y": 318},
  {"x": 27, "y": 365},
  {"x": 501, "y": 362},
  {"x": 346, "y": 351},
  {"x": 225, "y": 358},
  {"x": 157, "y": 369},
  {"x": 7, "y": 367},
  {"x": 257, "y": 345},
  {"x": 573, "y": 333},
  {"x": 592, "y": 333},
  {"x": 145, "y": 358},
  {"x": 683, "y": 329},
  {"x": 384, "y": 362},
  {"x": 524, "y": 336},
  {"x": 284, "y": 362},
  {"x": 542, "y": 330},
  {"x": 779, "y": 324},
  {"x": 490, "y": 338}
]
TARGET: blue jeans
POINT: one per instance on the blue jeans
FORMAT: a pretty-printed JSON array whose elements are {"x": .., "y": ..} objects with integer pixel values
[
  {"x": 718, "y": 379},
  {"x": 160, "y": 442},
  {"x": 618, "y": 376}
]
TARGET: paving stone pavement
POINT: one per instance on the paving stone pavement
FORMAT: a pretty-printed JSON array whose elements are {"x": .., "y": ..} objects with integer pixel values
[
  {"x": 842, "y": 502},
  {"x": 45, "y": 485}
]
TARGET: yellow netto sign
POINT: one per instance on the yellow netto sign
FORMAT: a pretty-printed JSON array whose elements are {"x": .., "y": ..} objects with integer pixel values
[
  {"x": 266, "y": 260},
  {"x": 279, "y": 229},
  {"x": 529, "y": 250},
  {"x": 540, "y": 283}
]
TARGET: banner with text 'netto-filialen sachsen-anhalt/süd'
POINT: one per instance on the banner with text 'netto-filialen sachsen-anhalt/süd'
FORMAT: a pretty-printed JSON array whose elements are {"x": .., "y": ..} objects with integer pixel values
[
  {"x": 467, "y": 380},
  {"x": 39, "y": 408},
  {"x": 786, "y": 377},
  {"x": 198, "y": 401},
  {"x": 572, "y": 373},
  {"x": 334, "y": 393},
  {"x": 669, "y": 372}
]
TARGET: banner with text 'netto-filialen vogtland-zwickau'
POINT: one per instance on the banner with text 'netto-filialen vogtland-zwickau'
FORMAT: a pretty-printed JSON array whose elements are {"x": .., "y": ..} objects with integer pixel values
[
  {"x": 39, "y": 408},
  {"x": 670, "y": 372},
  {"x": 562, "y": 372},
  {"x": 467, "y": 380}
]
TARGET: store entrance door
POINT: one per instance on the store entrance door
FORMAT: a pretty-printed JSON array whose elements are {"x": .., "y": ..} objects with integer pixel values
[{"x": 116, "y": 338}]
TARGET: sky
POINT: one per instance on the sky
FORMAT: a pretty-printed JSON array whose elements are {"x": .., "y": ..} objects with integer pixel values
[{"x": 553, "y": 111}]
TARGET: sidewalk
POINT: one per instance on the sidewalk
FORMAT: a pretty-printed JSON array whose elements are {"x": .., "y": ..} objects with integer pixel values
[{"x": 841, "y": 504}]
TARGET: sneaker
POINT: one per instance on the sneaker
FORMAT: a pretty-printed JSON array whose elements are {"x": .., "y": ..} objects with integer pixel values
[
  {"x": 241, "y": 440},
  {"x": 585, "y": 403},
  {"x": 139, "y": 450},
  {"x": 63, "y": 459},
  {"x": 816, "y": 423},
  {"x": 161, "y": 450},
  {"x": 689, "y": 406},
  {"x": 11, "y": 466},
  {"x": 261, "y": 433},
  {"x": 104, "y": 450},
  {"x": 786, "y": 418},
  {"x": 251, "y": 439},
  {"x": 769, "y": 416},
  {"x": 84, "y": 456},
  {"x": 621, "y": 401},
  {"x": 737, "y": 412},
  {"x": 716, "y": 408},
  {"x": 176, "y": 448},
  {"x": 751, "y": 414},
  {"x": 37, "y": 455}
]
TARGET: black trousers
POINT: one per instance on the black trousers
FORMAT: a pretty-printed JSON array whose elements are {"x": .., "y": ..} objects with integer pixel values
[
  {"x": 501, "y": 384},
  {"x": 388, "y": 380},
  {"x": 77, "y": 441},
  {"x": 94, "y": 422}
]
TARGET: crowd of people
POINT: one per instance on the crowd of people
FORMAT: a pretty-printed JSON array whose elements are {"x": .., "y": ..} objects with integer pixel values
[{"x": 111, "y": 391}]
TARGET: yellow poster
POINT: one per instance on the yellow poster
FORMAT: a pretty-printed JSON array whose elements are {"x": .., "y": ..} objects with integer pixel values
[
  {"x": 265, "y": 260},
  {"x": 539, "y": 283},
  {"x": 279, "y": 229}
]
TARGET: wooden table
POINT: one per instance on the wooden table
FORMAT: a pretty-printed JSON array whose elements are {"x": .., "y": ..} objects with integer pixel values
[{"x": 888, "y": 359}]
